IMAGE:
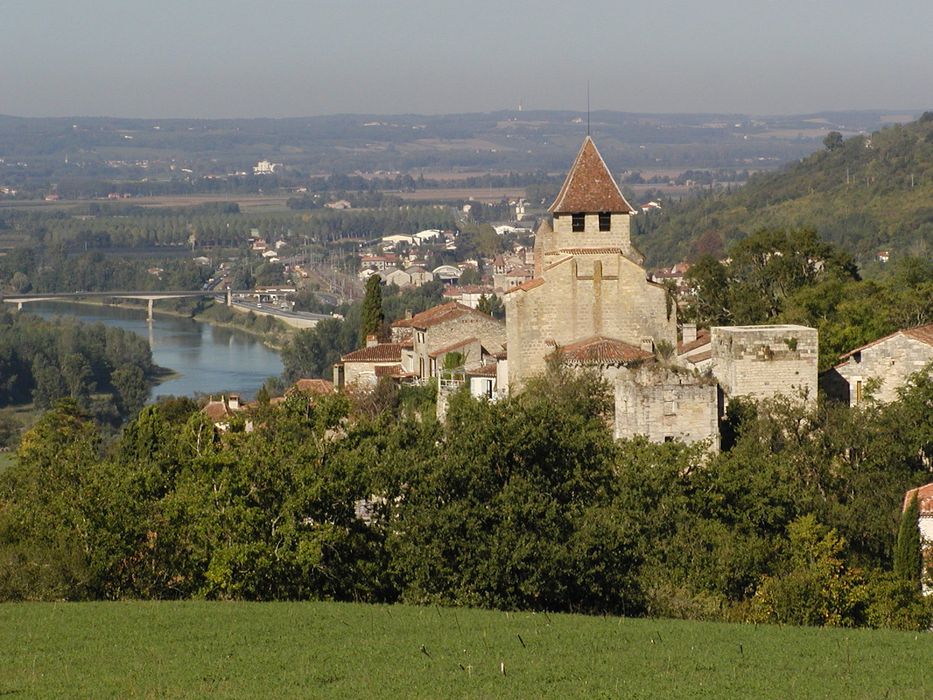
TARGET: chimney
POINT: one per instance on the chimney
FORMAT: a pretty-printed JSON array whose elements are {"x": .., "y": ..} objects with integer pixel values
[
  {"x": 689, "y": 332},
  {"x": 371, "y": 341},
  {"x": 407, "y": 314},
  {"x": 233, "y": 401}
]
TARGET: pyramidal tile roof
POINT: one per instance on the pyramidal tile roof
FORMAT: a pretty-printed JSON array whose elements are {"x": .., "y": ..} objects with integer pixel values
[{"x": 589, "y": 187}]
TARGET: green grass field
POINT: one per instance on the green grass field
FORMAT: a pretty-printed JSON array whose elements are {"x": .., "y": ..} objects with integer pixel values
[{"x": 284, "y": 650}]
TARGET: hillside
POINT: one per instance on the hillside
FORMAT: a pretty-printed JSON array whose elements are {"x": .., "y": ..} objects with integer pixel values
[
  {"x": 865, "y": 193},
  {"x": 253, "y": 650}
]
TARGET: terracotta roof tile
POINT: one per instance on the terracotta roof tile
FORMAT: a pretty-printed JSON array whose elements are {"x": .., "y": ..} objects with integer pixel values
[
  {"x": 314, "y": 386},
  {"x": 216, "y": 410},
  {"x": 428, "y": 317},
  {"x": 703, "y": 338},
  {"x": 589, "y": 186},
  {"x": 484, "y": 371},
  {"x": 599, "y": 350},
  {"x": 924, "y": 498},
  {"x": 590, "y": 251},
  {"x": 383, "y": 352}
]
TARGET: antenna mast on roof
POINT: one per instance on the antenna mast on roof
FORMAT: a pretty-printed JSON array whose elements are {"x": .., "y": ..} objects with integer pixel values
[{"x": 587, "y": 107}]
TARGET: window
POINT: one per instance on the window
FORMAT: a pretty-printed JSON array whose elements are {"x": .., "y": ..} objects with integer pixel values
[
  {"x": 488, "y": 388},
  {"x": 605, "y": 221},
  {"x": 577, "y": 223},
  {"x": 858, "y": 392}
]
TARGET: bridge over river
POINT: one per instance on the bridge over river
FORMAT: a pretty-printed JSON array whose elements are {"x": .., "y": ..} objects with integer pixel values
[{"x": 297, "y": 319}]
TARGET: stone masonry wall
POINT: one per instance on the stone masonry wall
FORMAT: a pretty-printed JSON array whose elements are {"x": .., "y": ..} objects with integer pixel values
[
  {"x": 662, "y": 405},
  {"x": 891, "y": 361},
  {"x": 761, "y": 362},
  {"x": 583, "y": 296}
]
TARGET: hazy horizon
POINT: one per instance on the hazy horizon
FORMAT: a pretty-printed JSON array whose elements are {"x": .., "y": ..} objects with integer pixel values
[{"x": 234, "y": 59}]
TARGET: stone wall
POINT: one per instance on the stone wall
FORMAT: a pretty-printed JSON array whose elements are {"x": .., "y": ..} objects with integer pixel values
[
  {"x": 664, "y": 404},
  {"x": 581, "y": 296},
  {"x": 761, "y": 362},
  {"x": 884, "y": 366}
]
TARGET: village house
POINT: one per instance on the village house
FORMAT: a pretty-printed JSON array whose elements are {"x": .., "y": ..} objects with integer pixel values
[
  {"x": 881, "y": 367},
  {"x": 448, "y": 328},
  {"x": 366, "y": 366}
]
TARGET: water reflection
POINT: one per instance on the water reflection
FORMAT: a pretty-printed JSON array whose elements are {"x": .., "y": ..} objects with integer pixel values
[{"x": 207, "y": 359}]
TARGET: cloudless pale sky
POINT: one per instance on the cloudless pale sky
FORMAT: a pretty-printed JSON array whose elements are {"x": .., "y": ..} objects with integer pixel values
[{"x": 275, "y": 58}]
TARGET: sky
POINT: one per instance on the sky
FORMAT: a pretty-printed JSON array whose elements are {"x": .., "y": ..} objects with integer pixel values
[{"x": 280, "y": 58}]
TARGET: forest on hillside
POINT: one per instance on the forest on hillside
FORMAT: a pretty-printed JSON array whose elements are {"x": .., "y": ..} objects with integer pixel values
[{"x": 865, "y": 193}]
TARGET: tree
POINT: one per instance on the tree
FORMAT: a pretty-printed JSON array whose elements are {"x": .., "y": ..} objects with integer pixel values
[
  {"x": 833, "y": 141},
  {"x": 908, "y": 559},
  {"x": 372, "y": 316},
  {"x": 491, "y": 305}
]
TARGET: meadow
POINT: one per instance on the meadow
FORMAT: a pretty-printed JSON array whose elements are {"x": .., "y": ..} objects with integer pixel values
[{"x": 334, "y": 650}]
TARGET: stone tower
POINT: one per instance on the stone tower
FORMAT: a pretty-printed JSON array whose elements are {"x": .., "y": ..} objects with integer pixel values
[{"x": 590, "y": 291}]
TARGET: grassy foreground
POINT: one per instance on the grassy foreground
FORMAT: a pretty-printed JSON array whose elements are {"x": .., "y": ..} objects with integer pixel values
[{"x": 250, "y": 650}]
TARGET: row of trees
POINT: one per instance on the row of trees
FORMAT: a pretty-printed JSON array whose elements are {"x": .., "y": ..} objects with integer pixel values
[{"x": 523, "y": 504}]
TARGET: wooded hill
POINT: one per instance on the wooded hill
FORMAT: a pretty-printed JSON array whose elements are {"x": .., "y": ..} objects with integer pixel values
[{"x": 866, "y": 193}]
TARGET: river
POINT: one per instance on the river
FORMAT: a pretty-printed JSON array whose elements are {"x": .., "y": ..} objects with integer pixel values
[{"x": 206, "y": 359}]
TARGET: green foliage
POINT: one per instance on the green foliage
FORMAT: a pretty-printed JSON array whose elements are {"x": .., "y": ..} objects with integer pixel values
[
  {"x": 371, "y": 316},
  {"x": 866, "y": 193},
  {"x": 45, "y": 361},
  {"x": 908, "y": 557},
  {"x": 524, "y": 503}
]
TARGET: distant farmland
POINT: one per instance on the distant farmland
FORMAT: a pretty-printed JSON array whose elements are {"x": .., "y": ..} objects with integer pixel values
[{"x": 251, "y": 650}]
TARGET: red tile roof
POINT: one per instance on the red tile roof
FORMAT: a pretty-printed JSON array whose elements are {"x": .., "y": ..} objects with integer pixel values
[
  {"x": 484, "y": 371},
  {"x": 599, "y": 350},
  {"x": 922, "y": 333},
  {"x": 590, "y": 251},
  {"x": 314, "y": 386},
  {"x": 924, "y": 499},
  {"x": 383, "y": 352},
  {"x": 589, "y": 186},
  {"x": 216, "y": 410},
  {"x": 436, "y": 314},
  {"x": 703, "y": 338}
]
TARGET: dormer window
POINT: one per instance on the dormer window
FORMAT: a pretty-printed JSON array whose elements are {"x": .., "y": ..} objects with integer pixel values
[
  {"x": 578, "y": 223},
  {"x": 605, "y": 221}
]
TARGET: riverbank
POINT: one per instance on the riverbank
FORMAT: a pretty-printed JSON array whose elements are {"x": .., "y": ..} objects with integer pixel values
[
  {"x": 273, "y": 333},
  {"x": 207, "y": 356}
]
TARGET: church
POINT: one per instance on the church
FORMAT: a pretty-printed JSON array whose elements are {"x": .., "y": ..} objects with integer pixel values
[{"x": 591, "y": 302}]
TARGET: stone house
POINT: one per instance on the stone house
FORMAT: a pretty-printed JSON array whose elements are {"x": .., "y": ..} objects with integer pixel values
[
  {"x": 450, "y": 327},
  {"x": 882, "y": 366},
  {"x": 364, "y": 367}
]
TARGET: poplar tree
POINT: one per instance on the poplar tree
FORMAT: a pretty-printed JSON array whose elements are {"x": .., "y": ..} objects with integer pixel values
[{"x": 908, "y": 560}]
